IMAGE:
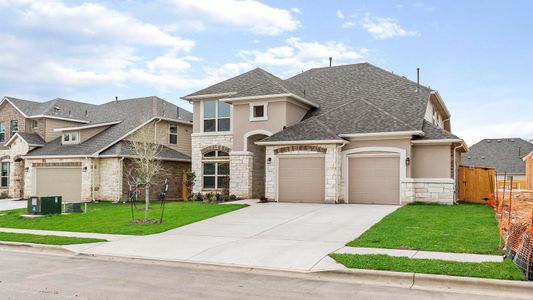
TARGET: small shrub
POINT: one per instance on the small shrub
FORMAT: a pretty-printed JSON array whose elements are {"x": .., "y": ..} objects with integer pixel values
[
  {"x": 189, "y": 184},
  {"x": 199, "y": 197},
  {"x": 263, "y": 199},
  {"x": 4, "y": 195},
  {"x": 233, "y": 197}
]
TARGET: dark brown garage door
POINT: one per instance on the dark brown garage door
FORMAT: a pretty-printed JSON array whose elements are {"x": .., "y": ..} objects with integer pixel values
[
  {"x": 374, "y": 180},
  {"x": 301, "y": 179}
]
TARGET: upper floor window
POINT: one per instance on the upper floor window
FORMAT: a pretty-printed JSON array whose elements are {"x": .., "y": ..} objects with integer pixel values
[
  {"x": 258, "y": 111},
  {"x": 173, "y": 133},
  {"x": 35, "y": 124},
  {"x": 2, "y": 132},
  {"x": 14, "y": 127},
  {"x": 4, "y": 174},
  {"x": 70, "y": 137},
  {"x": 216, "y": 116}
]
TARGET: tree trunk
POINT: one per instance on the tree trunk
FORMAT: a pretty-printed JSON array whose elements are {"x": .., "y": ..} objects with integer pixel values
[{"x": 146, "y": 201}]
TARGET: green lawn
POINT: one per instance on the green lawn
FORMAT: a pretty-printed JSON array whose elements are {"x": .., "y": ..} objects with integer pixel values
[
  {"x": 106, "y": 217},
  {"x": 464, "y": 228},
  {"x": 45, "y": 239},
  {"x": 504, "y": 270}
]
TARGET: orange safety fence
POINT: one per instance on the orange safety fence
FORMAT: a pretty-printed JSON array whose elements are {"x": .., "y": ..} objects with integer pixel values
[{"x": 514, "y": 211}]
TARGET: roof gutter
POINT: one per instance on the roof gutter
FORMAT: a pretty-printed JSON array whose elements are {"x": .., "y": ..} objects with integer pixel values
[
  {"x": 306, "y": 142},
  {"x": 259, "y": 97},
  {"x": 207, "y": 96},
  {"x": 382, "y": 134},
  {"x": 87, "y": 127}
]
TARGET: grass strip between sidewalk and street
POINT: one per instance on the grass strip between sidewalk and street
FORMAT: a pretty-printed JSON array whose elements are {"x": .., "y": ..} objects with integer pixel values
[
  {"x": 495, "y": 270},
  {"x": 45, "y": 239},
  {"x": 460, "y": 228},
  {"x": 115, "y": 218}
]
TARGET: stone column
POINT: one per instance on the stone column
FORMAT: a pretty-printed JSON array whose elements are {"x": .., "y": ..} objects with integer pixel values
[
  {"x": 270, "y": 184},
  {"x": 332, "y": 175},
  {"x": 241, "y": 164}
]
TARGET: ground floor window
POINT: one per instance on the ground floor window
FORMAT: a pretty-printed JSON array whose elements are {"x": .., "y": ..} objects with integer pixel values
[
  {"x": 215, "y": 170},
  {"x": 4, "y": 174},
  {"x": 216, "y": 175}
]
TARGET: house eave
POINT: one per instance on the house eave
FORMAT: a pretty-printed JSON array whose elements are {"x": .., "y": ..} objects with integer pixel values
[
  {"x": 261, "y": 97},
  {"x": 207, "y": 96},
  {"x": 392, "y": 134},
  {"x": 304, "y": 142},
  {"x": 87, "y": 126}
]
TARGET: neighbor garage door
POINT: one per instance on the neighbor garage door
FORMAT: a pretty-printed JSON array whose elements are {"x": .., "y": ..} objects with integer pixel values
[
  {"x": 374, "y": 180},
  {"x": 65, "y": 182},
  {"x": 301, "y": 179}
]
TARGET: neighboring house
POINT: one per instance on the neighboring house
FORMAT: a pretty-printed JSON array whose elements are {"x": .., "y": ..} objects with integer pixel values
[
  {"x": 83, "y": 151},
  {"x": 352, "y": 133},
  {"x": 504, "y": 154},
  {"x": 528, "y": 160}
]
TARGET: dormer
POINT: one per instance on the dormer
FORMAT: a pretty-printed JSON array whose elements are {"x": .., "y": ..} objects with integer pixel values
[{"x": 79, "y": 134}]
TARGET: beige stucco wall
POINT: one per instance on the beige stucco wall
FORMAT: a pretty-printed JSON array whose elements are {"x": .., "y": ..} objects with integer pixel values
[
  {"x": 431, "y": 161},
  {"x": 196, "y": 118},
  {"x": 404, "y": 144}
]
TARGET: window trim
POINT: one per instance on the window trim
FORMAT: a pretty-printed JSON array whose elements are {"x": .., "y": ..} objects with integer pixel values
[
  {"x": 216, "y": 160},
  {"x": 34, "y": 122},
  {"x": 170, "y": 134},
  {"x": 7, "y": 176},
  {"x": 70, "y": 135},
  {"x": 265, "y": 112},
  {"x": 216, "y": 118},
  {"x": 11, "y": 127},
  {"x": 2, "y": 131}
]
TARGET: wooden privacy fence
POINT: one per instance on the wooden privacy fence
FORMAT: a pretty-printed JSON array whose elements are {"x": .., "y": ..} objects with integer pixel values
[{"x": 476, "y": 184}]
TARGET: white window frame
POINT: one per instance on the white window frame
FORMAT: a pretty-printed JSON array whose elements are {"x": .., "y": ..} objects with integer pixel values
[
  {"x": 265, "y": 112},
  {"x": 70, "y": 135},
  {"x": 35, "y": 124},
  {"x": 11, "y": 127},
  {"x": 216, "y": 160},
  {"x": 3, "y": 131},
  {"x": 171, "y": 134},
  {"x": 7, "y": 176},
  {"x": 216, "y": 118}
]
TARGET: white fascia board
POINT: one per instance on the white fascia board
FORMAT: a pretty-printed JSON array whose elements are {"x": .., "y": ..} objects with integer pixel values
[
  {"x": 173, "y": 120},
  {"x": 436, "y": 142},
  {"x": 300, "y": 142},
  {"x": 207, "y": 96},
  {"x": 55, "y": 156},
  {"x": 260, "y": 97},
  {"x": 58, "y": 118},
  {"x": 13, "y": 104},
  {"x": 87, "y": 126},
  {"x": 441, "y": 103},
  {"x": 382, "y": 134},
  {"x": 13, "y": 138}
]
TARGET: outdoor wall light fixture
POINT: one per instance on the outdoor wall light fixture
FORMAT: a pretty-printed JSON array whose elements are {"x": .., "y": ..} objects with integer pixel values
[
  {"x": 407, "y": 161},
  {"x": 269, "y": 160},
  {"x": 27, "y": 169},
  {"x": 85, "y": 169}
]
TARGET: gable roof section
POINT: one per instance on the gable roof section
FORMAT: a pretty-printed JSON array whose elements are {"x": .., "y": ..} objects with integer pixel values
[
  {"x": 133, "y": 114},
  {"x": 32, "y": 139},
  {"x": 504, "y": 154},
  {"x": 434, "y": 132}
]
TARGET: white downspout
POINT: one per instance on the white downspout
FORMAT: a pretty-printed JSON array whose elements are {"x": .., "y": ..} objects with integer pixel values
[{"x": 456, "y": 186}]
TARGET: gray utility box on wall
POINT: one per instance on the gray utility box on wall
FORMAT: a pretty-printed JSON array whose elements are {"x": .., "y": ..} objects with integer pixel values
[{"x": 44, "y": 205}]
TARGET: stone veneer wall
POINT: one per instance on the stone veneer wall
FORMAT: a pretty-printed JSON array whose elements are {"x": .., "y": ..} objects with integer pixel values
[
  {"x": 16, "y": 168},
  {"x": 240, "y": 168},
  {"x": 108, "y": 178},
  {"x": 428, "y": 190},
  {"x": 332, "y": 168},
  {"x": 201, "y": 141}
]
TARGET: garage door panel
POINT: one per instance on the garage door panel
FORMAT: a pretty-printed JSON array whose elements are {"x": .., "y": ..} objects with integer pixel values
[
  {"x": 64, "y": 182},
  {"x": 374, "y": 180},
  {"x": 301, "y": 179}
]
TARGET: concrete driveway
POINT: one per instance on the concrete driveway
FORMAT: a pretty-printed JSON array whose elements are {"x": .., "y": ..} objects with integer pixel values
[
  {"x": 283, "y": 236},
  {"x": 7, "y": 204}
]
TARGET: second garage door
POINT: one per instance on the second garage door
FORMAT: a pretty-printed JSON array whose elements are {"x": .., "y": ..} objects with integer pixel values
[
  {"x": 65, "y": 182},
  {"x": 301, "y": 179},
  {"x": 374, "y": 180}
]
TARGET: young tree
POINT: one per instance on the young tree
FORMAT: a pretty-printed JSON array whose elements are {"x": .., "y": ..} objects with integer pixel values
[{"x": 146, "y": 161}]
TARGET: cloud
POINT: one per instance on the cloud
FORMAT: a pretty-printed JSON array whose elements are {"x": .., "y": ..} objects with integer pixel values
[
  {"x": 340, "y": 15},
  {"x": 249, "y": 15},
  {"x": 296, "y": 55},
  {"x": 296, "y": 10},
  {"x": 348, "y": 24},
  {"x": 384, "y": 28},
  {"x": 95, "y": 21}
]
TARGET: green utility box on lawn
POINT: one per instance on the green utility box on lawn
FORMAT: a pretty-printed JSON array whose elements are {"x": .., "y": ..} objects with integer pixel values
[{"x": 44, "y": 205}]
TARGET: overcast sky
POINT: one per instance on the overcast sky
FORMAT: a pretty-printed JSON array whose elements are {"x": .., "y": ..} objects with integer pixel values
[{"x": 477, "y": 54}]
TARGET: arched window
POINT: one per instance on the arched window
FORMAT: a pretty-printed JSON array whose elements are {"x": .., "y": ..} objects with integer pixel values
[{"x": 215, "y": 170}]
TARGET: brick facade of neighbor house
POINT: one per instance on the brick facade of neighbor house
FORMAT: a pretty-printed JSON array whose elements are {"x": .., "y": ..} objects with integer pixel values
[
  {"x": 9, "y": 113},
  {"x": 173, "y": 171}
]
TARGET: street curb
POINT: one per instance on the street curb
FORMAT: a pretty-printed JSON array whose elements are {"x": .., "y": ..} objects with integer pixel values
[
  {"x": 43, "y": 248},
  {"x": 496, "y": 287}
]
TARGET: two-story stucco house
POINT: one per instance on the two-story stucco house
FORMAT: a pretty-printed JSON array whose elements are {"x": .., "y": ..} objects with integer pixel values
[
  {"x": 344, "y": 134},
  {"x": 83, "y": 151}
]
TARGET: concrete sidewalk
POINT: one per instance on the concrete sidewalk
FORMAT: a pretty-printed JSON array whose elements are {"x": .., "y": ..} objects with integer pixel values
[
  {"x": 419, "y": 254},
  {"x": 109, "y": 237}
]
